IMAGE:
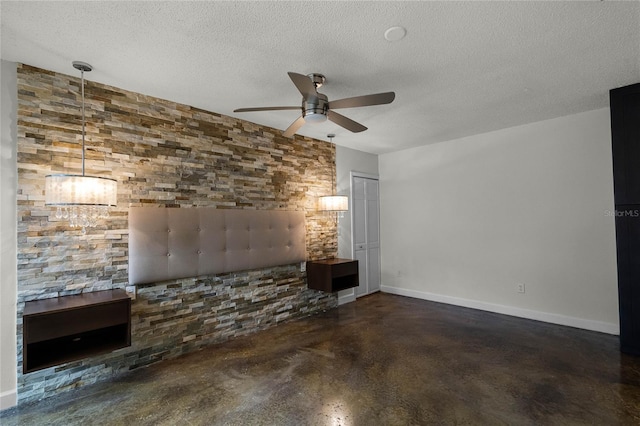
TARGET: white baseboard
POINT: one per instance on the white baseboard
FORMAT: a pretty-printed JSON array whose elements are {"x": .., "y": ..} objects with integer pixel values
[
  {"x": 348, "y": 298},
  {"x": 602, "y": 327},
  {"x": 8, "y": 399}
]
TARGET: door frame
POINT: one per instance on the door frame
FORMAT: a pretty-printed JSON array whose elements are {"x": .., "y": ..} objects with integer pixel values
[{"x": 354, "y": 174}]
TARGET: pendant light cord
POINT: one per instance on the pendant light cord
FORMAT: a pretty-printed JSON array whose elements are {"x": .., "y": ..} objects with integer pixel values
[
  {"x": 331, "y": 136},
  {"x": 333, "y": 173},
  {"x": 82, "y": 84}
]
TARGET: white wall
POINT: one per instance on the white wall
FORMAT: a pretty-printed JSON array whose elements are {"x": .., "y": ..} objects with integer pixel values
[
  {"x": 463, "y": 221},
  {"x": 348, "y": 160},
  {"x": 8, "y": 233}
]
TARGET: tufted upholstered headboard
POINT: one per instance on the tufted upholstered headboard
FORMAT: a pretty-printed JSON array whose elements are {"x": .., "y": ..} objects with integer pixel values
[{"x": 171, "y": 243}]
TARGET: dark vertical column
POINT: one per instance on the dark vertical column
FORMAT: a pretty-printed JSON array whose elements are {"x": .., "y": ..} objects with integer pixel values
[{"x": 625, "y": 137}]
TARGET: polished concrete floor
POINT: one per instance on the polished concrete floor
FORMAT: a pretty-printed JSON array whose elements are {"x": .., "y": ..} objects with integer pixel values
[{"x": 383, "y": 360}]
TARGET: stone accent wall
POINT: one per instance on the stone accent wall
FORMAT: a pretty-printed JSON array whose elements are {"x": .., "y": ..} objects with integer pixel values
[{"x": 170, "y": 155}]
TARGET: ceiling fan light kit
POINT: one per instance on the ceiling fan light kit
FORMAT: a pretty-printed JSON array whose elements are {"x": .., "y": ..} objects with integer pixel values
[
  {"x": 316, "y": 107},
  {"x": 314, "y": 117}
]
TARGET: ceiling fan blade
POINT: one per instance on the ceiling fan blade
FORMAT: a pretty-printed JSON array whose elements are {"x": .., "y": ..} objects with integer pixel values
[
  {"x": 304, "y": 84},
  {"x": 266, "y": 108},
  {"x": 293, "y": 128},
  {"x": 345, "y": 122},
  {"x": 360, "y": 101}
]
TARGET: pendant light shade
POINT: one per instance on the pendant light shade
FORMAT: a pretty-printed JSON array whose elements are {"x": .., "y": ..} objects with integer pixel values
[
  {"x": 79, "y": 198},
  {"x": 80, "y": 190},
  {"x": 333, "y": 203}
]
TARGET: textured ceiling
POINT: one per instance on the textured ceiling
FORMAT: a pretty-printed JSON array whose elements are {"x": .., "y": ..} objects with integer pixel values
[{"x": 464, "y": 67}]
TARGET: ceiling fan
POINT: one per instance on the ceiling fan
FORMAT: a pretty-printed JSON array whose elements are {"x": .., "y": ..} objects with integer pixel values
[{"x": 317, "y": 108}]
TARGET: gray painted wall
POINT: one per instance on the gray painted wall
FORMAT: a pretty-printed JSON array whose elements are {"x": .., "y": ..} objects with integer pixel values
[
  {"x": 465, "y": 221},
  {"x": 8, "y": 233}
]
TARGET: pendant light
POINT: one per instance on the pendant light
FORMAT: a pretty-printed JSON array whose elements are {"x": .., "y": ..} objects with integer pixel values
[
  {"x": 333, "y": 203},
  {"x": 79, "y": 198}
]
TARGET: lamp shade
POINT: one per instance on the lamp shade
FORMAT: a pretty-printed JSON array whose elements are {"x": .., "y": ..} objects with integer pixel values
[
  {"x": 333, "y": 203},
  {"x": 78, "y": 190}
]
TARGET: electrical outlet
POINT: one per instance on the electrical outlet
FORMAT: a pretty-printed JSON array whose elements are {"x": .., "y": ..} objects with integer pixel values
[
  {"x": 303, "y": 266},
  {"x": 520, "y": 287}
]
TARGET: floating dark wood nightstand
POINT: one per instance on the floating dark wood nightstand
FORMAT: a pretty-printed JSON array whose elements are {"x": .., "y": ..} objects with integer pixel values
[
  {"x": 68, "y": 328},
  {"x": 332, "y": 275}
]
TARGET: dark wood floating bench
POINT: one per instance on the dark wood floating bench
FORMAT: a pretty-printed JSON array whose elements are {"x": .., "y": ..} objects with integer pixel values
[{"x": 69, "y": 328}]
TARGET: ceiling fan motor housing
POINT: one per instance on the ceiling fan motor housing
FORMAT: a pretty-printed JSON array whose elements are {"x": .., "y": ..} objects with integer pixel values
[{"x": 314, "y": 109}]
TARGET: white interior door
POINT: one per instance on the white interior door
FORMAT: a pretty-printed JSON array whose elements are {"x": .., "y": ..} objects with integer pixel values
[{"x": 366, "y": 232}]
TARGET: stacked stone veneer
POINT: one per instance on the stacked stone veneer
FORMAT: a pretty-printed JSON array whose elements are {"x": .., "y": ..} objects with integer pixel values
[{"x": 170, "y": 155}]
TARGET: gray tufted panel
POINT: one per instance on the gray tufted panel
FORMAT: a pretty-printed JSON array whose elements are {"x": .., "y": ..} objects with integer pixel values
[{"x": 171, "y": 243}]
